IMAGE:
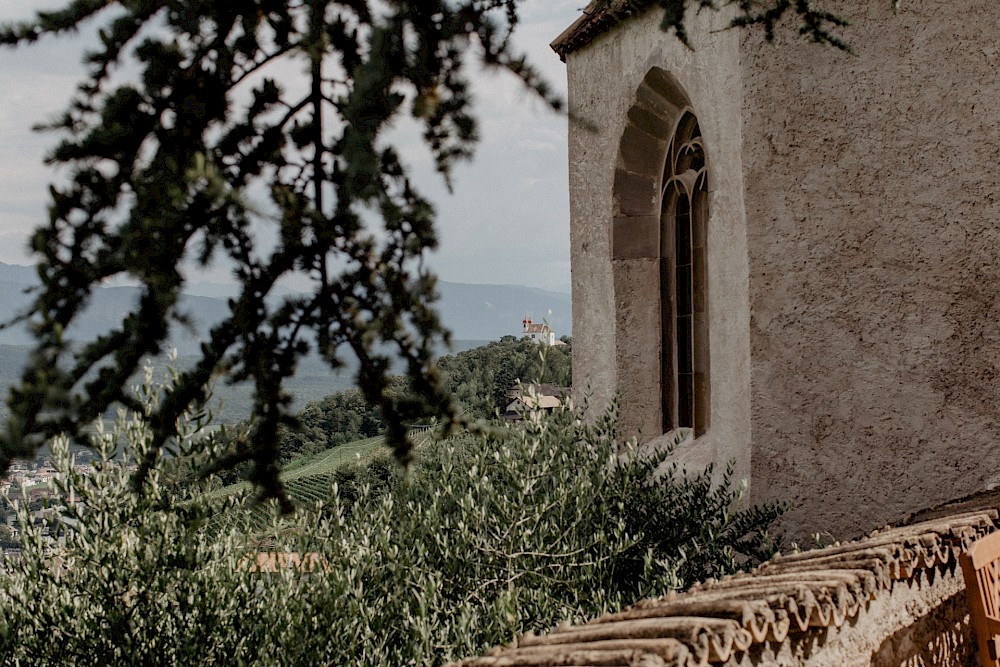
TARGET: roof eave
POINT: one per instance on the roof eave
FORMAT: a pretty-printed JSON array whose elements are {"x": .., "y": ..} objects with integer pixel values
[{"x": 598, "y": 17}]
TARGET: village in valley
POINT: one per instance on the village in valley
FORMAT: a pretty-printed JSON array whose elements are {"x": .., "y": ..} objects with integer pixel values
[{"x": 29, "y": 485}]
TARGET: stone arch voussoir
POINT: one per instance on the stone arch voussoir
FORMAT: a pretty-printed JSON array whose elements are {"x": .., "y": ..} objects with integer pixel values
[{"x": 650, "y": 123}]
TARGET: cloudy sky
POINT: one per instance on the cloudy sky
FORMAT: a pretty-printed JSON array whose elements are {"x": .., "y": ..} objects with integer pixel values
[{"x": 507, "y": 221}]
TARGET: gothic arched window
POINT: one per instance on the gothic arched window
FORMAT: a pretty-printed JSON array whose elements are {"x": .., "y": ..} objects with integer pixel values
[
  {"x": 683, "y": 221},
  {"x": 659, "y": 230}
]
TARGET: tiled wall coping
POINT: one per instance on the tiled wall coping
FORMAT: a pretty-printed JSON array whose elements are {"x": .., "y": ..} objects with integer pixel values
[{"x": 895, "y": 597}]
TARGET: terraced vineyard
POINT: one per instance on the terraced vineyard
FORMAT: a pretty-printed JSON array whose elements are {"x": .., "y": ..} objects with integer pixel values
[{"x": 308, "y": 480}]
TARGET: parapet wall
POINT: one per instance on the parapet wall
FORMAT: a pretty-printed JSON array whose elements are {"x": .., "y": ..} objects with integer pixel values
[{"x": 894, "y": 598}]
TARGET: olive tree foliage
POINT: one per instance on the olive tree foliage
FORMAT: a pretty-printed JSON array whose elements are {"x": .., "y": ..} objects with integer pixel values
[
  {"x": 114, "y": 574},
  {"x": 185, "y": 164},
  {"x": 486, "y": 538}
]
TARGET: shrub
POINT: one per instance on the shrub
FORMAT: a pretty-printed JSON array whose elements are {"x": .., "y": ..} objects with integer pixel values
[
  {"x": 485, "y": 538},
  {"x": 123, "y": 576}
]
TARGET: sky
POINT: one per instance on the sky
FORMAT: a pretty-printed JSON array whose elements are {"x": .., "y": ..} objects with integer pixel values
[{"x": 507, "y": 221}]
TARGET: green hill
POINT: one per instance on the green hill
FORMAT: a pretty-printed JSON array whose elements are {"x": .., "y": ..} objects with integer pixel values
[{"x": 308, "y": 480}]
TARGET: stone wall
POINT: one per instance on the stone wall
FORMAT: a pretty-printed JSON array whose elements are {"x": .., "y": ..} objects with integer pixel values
[
  {"x": 893, "y": 599},
  {"x": 872, "y": 208},
  {"x": 616, "y": 301}
]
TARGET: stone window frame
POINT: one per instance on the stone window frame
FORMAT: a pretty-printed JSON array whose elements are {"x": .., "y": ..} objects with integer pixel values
[
  {"x": 683, "y": 307},
  {"x": 659, "y": 123}
]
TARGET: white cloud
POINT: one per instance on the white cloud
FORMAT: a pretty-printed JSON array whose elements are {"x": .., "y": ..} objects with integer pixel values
[{"x": 508, "y": 221}]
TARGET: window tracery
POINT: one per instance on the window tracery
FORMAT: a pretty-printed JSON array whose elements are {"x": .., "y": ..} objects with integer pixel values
[{"x": 683, "y": 217}]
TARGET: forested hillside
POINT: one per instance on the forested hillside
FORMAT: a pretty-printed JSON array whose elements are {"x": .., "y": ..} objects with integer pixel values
[
  {"x": 231, "y": 403},
  {"x": 479, "y": 379}
]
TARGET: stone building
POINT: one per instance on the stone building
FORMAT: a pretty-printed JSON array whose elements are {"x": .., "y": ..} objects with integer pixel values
[
  {"x": 793, "y": 250},
  {"x": 539, "y": 332}
]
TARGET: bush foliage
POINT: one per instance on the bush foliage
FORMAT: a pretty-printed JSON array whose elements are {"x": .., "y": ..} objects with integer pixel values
[
  {"x": 483, "y": 539},
  {"x": 339, "y": 418}
]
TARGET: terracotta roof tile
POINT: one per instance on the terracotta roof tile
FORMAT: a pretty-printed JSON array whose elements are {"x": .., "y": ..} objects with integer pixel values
[
  {"x": 271, "y": 561},
  {"x": 598, "y": 17},
  {"x": 537, "y": 402},
  {"x": 785, "y": 597}
]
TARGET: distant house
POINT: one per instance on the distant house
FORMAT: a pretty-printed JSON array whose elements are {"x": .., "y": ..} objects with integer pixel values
[
  {"x": 539, "y": 332},
  {"x": 526, "y": 398}
]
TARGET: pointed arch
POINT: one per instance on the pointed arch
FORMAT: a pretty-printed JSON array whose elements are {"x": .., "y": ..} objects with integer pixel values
[{"x": 659, "y": 244}]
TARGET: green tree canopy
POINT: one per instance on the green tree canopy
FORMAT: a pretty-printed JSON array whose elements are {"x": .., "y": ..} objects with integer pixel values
[
  {"x": 162, "y": 171},
  {"x": 480, "y": 378}
]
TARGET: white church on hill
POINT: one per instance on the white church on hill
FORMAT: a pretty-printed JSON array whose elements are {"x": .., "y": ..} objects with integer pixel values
[{"x": 539, "y": 332}]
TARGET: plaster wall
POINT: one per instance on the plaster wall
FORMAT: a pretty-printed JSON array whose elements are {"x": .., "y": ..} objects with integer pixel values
[
  {"x": 872, "y": 202},
  {"x": 603, "y": 81}
]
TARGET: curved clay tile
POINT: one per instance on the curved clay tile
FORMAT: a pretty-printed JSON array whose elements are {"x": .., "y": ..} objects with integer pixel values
[
  {"x": 597, "y": 18},
  {"x": 631, "y": 653},
  {"x": 709, "y": 639},
  {"x": 754, "y": 616},
  {"x": 878, "y": 562},
  {"x": 786, "y": 598}
]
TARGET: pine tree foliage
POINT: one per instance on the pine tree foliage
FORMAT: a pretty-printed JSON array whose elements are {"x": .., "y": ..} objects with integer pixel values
[
  {"x": 207, "y": 146},
  {"x": 815, "y": 23},
  {"x": 162, "y": 171}
]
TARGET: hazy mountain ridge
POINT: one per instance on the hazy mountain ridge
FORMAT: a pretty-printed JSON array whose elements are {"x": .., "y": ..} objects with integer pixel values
[
  {"x": 478, "y": 312},
  {"x": 19, "y": 274},
  {"x": 475, "y": 314},
  {"x": 493, "y": 311}
]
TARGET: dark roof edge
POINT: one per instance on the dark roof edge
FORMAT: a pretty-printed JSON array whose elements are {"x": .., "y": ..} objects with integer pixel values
[{"x": 598, "y": 17}]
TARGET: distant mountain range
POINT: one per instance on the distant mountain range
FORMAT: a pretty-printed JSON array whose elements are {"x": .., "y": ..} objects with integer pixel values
[
  {"x": 478, "y": 312},
  {"x": 493, "y": 311},
  {"x": 475, "y": 314}
]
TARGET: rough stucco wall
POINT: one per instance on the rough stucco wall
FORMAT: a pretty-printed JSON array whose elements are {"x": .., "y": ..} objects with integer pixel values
[
  {"x": 592, "y": 283},
  {"x": 872, "y": 205},
  {"x": 923, "y": 623},
  {"x": 942, "y": 638},
  {"x": 603, "y": 80},
  {"x": 640, "y": 393}
]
